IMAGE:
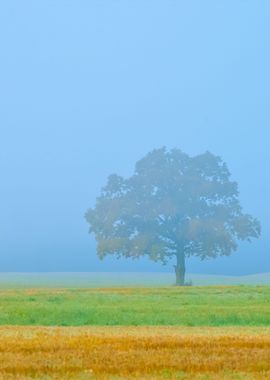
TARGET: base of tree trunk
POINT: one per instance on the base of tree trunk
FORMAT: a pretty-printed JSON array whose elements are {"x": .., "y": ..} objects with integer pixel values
[{"x": 180, "y": 275}]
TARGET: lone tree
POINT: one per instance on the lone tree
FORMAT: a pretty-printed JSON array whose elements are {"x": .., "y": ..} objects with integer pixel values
[{"x": 173, "y": 205}]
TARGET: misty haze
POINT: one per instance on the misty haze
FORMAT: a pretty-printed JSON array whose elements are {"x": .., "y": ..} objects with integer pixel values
[
  {"x": 134, "y": 212},
  {"x": 81, "y": 103}
]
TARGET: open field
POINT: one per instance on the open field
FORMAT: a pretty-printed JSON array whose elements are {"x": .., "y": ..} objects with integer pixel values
[
  {"x": 134, "y": 353},
  {"x": 107, "y": 279},
  {"x": 186, "y": 306},
  {"x": 200, "y": 333}
]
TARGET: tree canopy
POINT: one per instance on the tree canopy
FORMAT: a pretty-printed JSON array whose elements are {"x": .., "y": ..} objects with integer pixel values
[{"x": 174, "y": 205}]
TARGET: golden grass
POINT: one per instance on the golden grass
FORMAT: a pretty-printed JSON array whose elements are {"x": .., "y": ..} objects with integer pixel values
[{"x": 134, "y": 353}]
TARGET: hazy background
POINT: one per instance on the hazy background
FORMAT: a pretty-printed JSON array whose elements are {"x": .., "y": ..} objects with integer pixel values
[{"x": 88, "y": 87}]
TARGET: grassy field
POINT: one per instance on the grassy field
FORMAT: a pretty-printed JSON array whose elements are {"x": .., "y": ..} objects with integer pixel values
[
  {"x": 200, "y": 333},
  {"x": 134, "y": 353},
  {"x": 188, "y": 306}
]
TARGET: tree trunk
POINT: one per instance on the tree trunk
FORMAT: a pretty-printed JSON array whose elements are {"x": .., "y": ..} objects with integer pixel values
[{"x": 180, "y": 269}]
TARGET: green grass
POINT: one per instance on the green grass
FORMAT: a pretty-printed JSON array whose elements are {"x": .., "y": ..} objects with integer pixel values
[{"x": 188, "y": 306}]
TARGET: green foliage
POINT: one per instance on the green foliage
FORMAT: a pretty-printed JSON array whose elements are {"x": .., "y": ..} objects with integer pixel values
[
  {"x": 188, "y": 306},
  {"x": 173, "y": 205}
]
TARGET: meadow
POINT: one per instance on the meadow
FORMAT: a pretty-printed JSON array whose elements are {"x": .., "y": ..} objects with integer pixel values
[
  {"x": 114, "y": 353},
  {"x": 183, "y": 306},
  {"x": 124, "y": 333}
]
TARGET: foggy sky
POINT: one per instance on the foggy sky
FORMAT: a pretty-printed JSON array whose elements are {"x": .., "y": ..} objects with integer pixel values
[{"x": 88, "y": 87}]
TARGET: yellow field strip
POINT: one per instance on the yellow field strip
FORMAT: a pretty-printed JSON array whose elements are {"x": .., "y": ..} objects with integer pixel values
[{"x": 134, "y": 353}]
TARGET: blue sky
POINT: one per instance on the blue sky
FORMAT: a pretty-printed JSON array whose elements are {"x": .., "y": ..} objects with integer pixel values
[{"x": 88, "y": 87}]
